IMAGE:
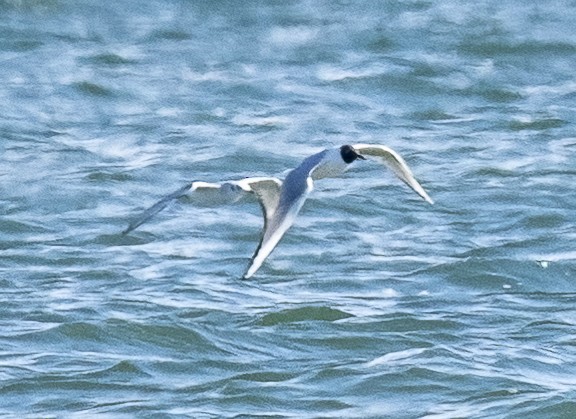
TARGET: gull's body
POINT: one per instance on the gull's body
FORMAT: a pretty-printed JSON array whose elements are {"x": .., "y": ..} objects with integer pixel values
[{"x": 300, "y": 182}]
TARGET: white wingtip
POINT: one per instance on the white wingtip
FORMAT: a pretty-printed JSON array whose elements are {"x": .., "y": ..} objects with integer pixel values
[
  {"x": 420, "y": 191},
  {"x": 413, "y": 183},
  {"x": 250, "y": 272}
]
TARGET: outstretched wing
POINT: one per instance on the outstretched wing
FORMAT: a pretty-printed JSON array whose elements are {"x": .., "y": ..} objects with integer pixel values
[
  {"x": 267, "y": 190},
  {"x": 295, "y": 189},
  {"x": 157, "y": 207},
  {"x": 394, "y": 162},
  {"x": 211, "y": 194}
]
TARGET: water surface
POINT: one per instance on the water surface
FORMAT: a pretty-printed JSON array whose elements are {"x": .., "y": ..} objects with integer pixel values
[{"x": 375, "y": 304}]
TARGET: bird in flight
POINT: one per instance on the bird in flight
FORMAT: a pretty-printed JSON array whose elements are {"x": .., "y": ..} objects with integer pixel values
[{"x": 281, "y": 201}]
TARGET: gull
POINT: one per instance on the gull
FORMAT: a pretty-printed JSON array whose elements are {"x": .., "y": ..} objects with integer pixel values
[
  {"x": 281, "y": 201},
  {"x": 212, "y": 194},
  {"x": 281, "y": 210}
]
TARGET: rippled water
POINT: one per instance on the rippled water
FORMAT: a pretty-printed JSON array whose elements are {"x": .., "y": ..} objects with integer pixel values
[{"x": 375, "y": 304}]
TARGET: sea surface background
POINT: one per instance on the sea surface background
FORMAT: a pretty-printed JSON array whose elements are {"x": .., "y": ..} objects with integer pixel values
[{"x": 375, "y": 304}]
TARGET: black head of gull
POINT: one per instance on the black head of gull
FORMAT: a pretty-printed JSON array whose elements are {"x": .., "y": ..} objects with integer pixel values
[{"x": 349, "y": 154}]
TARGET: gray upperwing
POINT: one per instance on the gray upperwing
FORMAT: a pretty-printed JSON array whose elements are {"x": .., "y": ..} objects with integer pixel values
[
  {"x": 267, "y": 190},
  {"x": 295, "y": 189},
  {"x": 157, "y": 207}
]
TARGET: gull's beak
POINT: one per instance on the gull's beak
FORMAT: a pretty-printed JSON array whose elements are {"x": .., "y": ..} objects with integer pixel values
[{"x": 358, "y": 155}]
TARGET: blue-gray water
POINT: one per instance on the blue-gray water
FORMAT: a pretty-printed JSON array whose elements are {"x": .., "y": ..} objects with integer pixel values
[{"x": 375, "y": 304}]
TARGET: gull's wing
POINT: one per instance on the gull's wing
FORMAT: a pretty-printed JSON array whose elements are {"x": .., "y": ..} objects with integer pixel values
[
  {"x": 267, "y": 190},
  {"x": 394, "y": 162},
  {"x": 295, "y": 189},
  {"x": 157, "y": 207},
  {"x": 203, "y": 194}
]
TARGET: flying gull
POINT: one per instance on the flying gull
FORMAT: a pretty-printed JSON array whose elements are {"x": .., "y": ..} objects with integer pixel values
[
  {"x": 281, "y": 201},
  {"x": 300, "y": 181}
]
